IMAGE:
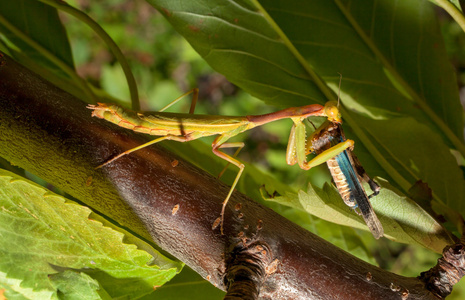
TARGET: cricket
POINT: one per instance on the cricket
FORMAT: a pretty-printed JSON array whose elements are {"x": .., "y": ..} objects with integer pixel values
[
  {"x": 184, "y": 127},
  {"x": 347, "y": 172}
]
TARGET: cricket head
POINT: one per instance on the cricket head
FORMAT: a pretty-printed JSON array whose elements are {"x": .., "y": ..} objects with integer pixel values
[{"x": 332, "y": 112}]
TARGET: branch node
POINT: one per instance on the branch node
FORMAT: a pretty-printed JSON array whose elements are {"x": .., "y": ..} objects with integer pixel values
[
  {"x": 248, "y": 267},
  {"x": 448, "y": 271}
]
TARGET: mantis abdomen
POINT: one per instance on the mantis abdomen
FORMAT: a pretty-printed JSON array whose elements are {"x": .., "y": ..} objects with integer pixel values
[{"x": 175, "y": 124}]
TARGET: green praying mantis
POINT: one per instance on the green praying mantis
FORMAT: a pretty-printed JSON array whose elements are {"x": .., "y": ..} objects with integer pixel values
[{"x": 187, "y": 127}]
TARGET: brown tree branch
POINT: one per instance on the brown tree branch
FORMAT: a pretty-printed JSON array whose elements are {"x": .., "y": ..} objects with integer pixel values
[{"x": 261, "y": 255}]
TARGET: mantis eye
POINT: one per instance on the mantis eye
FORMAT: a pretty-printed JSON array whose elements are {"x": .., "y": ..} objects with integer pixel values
[{"x": 332, "y": 112}]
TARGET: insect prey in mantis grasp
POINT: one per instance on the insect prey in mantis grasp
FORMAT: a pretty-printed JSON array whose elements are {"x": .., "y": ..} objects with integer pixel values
[
  {"x": 347, "y": 172},
  {"x": 187, "y": 127}
]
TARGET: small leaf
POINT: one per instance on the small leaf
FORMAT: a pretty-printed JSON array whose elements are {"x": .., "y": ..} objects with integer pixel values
[
  {"x": 76, "y": 285},
  {"x": 15, "y": 291},
  {"x": 403, "y": 220},
  {"x": 340, "y": 236}
]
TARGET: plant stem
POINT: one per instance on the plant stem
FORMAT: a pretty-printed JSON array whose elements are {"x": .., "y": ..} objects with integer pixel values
[{"x": 63, "y": 6}]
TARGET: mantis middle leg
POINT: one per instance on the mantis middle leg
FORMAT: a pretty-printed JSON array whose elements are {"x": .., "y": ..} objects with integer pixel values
[{"x": 216, "y": 146}]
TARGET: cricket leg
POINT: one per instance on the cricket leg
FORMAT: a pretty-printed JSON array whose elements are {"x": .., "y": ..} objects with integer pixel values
[
  {"x": 233, "y": 161},
  {"x": 364, "y": 177}
]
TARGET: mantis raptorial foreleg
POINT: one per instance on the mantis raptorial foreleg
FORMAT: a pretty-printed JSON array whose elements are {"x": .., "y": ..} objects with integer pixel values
[
  {"x": 328, "y": 154},
  {"x": 299, "y": 146}
]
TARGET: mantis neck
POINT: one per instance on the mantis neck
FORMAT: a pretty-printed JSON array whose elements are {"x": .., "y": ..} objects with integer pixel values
[{"x": 291, "y": 112}]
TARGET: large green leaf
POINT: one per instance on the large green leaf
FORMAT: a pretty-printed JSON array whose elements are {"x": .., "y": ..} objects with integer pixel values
[
  {"x": 237, "y": 41},
  {"x": 278, "y": 50},
  {"x": 42, "y": 237},
  {"x": 40, "y": 23},
  {"x": 419, "y": 154}
]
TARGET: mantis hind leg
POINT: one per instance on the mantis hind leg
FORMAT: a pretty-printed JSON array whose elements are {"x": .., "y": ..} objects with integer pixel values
[
  {"x": 195, "y": 96},
  {"x": 167, "y": 137},
  {"x": 233, "y": 161}
]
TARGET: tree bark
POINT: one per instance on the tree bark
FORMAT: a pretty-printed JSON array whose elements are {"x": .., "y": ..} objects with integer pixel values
[{"x": 163, "y": 198}]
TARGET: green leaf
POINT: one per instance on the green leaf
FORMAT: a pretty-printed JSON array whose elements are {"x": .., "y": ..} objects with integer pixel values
[
  {"x": 187, "y": 285},
  {"x": 403, "y": 220},
  {"x": 418, "y": 153},
  {"x": 40, "y": 23},
  {"x": 76, "y": 285},
  {"x": 406, "y": 42},
  {"x": 15, "y": 291},
  {"x": 343, "y": 237},
  {"x": 56, "y": 236}
]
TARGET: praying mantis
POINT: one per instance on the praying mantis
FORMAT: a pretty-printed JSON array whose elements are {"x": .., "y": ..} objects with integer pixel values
[{"x": 187, "y": 127}]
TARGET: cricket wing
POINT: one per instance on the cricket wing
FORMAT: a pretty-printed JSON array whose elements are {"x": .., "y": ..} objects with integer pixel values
[{"x": 358, "y": 194}]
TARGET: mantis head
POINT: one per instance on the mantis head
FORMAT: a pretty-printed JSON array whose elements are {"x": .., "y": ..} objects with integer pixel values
[
  {"x": 332, "y": 112},
  {"x": 101, "y": 109}
]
